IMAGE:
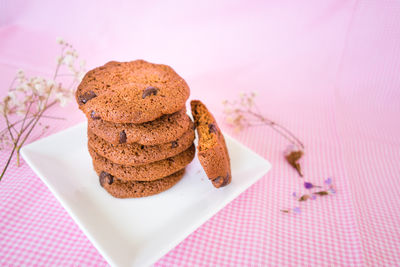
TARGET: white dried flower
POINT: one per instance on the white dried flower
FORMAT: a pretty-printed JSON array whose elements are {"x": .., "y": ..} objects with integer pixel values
[
  {"x": 20, "y": 74},
  {"x": 61, "y": 98},
  {"x": 68, "y": 60},
  {"x": 50, "y": 83},
  {"x": 12, "y": 98},
  {"x": 38, "y": 87},
  {"x": 60, "y": 40},
  {"x": 59, "y": 59},
  {"x": 22, "y": 87}
]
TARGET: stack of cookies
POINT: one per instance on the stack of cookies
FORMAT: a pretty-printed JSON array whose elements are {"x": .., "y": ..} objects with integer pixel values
[{"x": 139, "y": 135}]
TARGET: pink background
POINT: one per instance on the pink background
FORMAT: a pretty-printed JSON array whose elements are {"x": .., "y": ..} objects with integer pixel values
[{"x": 328, "y": 70}]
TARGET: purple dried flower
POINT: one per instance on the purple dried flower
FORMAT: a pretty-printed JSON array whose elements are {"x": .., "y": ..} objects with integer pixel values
[
  {"x": 328, "y": 181},
  {"x": 313, "y": 197},
  {"x": 308, "y": 185},
  {"x": 294, "y": 194},
  {"x": 297, "y": 210}
]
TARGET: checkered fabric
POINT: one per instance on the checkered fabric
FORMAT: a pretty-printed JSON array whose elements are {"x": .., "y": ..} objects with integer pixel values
[{"x": 328, "y": 71}]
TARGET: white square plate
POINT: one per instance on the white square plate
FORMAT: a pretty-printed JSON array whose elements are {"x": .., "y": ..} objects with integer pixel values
[{"x": 135, "y": 232}]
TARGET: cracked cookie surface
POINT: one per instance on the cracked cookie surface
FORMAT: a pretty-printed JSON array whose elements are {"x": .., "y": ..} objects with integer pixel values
[
  {"x": 165, "y": 129},
  {"x": 131, "y": 92}
]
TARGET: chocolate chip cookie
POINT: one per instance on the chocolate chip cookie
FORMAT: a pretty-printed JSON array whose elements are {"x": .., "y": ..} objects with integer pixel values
[
  {"x": 137, "y": 154},
  {"x": 134, "y": 189},
  {"x": 131, "y": 92},
  {"x": 162, "y": 130},
  {"x": 148, "y": 172},
  {"x": 212, "y": 152}
]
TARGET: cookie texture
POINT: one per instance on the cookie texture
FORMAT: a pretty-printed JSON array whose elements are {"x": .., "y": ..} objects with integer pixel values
[
  {"x": 162, "y": 130},
  {"x": 131, "y": 92},
  {"x": 212, "y": 152},
  {"x": 135, "y": 189},
  {"x": 137, "y": 154},
  {"x": 148, "y": 172}
]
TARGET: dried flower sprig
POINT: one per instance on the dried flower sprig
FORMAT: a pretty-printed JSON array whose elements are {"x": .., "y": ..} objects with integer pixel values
[
  {"x": 245, "y": 113},
  {"x": 29, "y": 98}
]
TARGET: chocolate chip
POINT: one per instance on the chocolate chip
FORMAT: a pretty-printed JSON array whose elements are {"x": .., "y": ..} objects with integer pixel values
[
  {"x": 170, "y": 159},
  {"x": 194, "y": 126},
  {"x": 226, "y": 180},
  {"x": 149, "y": 91},
  {"x": 105, "y": 177},
  {"x": 212, "y": 128},
  {"x": 94, "y": 116},
  {"x": 122, "y": 137},
  {"x": 221, "y": 181},
  {"x": 217, "y": 180},
  {"x": 174, "y": 144},
  {"x": 86, "y": 97}
]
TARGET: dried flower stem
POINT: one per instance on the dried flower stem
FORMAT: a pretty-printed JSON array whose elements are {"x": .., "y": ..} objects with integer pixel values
[
  {"x": 286, "y": 133},
  {"x": 40, "y": 113},
  {"x": 245, "y": 113},
  {"x": 29, "y": 117},
  {"x": 17, "y": 145},
  {"x": 39, "y": 94}
]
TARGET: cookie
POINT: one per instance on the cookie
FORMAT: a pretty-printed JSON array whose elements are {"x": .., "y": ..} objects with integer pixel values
[
  {"x": 212, "y": 152},
  {"x": 162, "y": 130},
  {"x": 137, "y": 154},
  {"x": 134, "y": 189},
  {"x": 131, "y": 92},
  {"x": 148, "y": 172}
]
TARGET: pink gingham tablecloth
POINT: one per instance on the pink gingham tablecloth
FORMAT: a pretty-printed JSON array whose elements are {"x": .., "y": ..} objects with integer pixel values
[{"x": 328, "y": 70}]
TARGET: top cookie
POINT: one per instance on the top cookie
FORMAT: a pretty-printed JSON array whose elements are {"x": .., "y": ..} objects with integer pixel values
[
  {"x": 131, "y": 92},
  {"x": 212, "y": 152}
]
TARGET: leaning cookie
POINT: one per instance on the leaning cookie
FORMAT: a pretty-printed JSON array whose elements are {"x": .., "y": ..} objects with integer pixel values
[
  {"x": 135, "y": 189},
  {"x": 212, "y": 152},
  {"x": 131, "y": 92},
  {"x": 165, "y": 129},
  {"x": 148, "y": 172},
  {"x": 137, "y": 154}
]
